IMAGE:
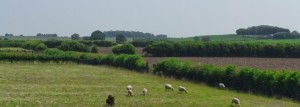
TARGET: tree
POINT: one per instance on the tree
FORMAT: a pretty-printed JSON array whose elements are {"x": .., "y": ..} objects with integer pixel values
[
  {"x": 120, "y": 39},
  {"x": 197, "y": 38},
  {"x": 97, "y": 35},
  {"x": 75, "y": 36},
  {"x": 21, "y": 35},
  {"x": 205, "y": 38}
]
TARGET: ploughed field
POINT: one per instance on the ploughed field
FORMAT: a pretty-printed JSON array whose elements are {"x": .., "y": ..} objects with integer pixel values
[
  {"x": 72, "y": 85},
  {"x": 263, "y": 63}
]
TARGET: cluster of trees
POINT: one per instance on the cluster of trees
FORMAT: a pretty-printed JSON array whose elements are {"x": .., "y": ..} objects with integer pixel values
[
  {"x": 124, "y": 49},
  {"x": 133, "y": 62},
  {"x": 34, "y": 45},
  {"x": 223, "y": 49},
  {"x": 286, "y": 35},
  {"x": 6, "y": 34},
  {"x": 46, "y": 35},
  {"x": 134, "y": 34},
  {"x": 261, "y": 30},
  {"x": 271, "y": 83}
]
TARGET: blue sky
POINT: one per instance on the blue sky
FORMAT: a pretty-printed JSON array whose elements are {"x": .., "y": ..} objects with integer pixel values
[{"x": 176, "y": 18}]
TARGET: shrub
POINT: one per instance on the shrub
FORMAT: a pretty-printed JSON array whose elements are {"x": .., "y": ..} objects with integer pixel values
[
  {"x": 34, "y": 45},
  {"x": 53, "y": 43},
  {"x": 124, "y": 49},
  {"x": 104, "y": 43},
  {"x": 95, "y": 49},
  {"x": 73, "y": 46}
]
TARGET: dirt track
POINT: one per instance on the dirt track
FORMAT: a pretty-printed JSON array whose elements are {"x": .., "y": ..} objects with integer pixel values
[{"x": 264, "y": 63}]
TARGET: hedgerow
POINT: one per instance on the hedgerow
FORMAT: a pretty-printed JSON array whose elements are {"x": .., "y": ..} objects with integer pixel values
[
  {"x": 133, "y": 62},
  {"x": 267, "y": 82},
  {"x": 223, "y": 49}
]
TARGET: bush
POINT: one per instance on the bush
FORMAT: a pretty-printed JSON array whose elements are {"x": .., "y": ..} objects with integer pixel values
[
  {"x": 73, "y": 46},
  {"x": 34, "y": 45},
  {"x": 53, "y": 43},
  {"x": 95, "y": 49},
  {"x": 141, "y": 42},
  {"x": 104, "y": 43},
  {"x": 124, "y": 49}
]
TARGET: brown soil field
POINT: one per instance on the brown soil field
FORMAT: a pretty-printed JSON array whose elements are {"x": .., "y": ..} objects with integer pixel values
[{"x": 263, "y": 63}]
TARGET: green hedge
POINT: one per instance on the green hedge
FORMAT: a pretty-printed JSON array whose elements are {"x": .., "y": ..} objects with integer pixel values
[
  {"x": 223, "y": 49},
  {"x": 11, "y": 43},
  {"x": 267, "y": 82},
  {"x": 133, "y": 62}
]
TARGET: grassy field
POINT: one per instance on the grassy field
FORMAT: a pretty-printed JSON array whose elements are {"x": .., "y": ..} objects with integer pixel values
[
  {"x": 72, "y": 85},
  {"x": 13, "y": 49},
  {"x": 229, "y": 37},
  {"x": 237, "y": 38}
]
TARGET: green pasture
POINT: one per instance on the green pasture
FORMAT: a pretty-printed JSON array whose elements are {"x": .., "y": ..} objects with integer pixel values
[{"x": 71, "y": 85}]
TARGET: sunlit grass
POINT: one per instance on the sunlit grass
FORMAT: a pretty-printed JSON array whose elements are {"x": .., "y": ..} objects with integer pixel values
[{"x": 72, "y": 85}]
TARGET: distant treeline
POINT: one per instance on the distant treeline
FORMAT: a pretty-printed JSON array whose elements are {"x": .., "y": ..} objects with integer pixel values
[
  {"x": 134, "y": 34},
  {"x": 271, "y": 83},
  {"x": 223, "y": 49},
  {"x": 261, "y": 30},
  {"x": 269, "y": 32},
  {"x": 55, "y": 43},
  {"x": 46, "y": 35}
]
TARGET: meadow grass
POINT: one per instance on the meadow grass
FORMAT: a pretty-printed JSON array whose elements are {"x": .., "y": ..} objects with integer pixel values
[{"x": 72, "y": 85}]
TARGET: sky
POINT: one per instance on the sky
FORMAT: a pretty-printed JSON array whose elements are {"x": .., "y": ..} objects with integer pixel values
[{"x": 176, "y": 18}]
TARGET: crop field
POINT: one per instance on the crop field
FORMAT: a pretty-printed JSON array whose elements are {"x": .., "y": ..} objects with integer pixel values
[{"x": 72, "y": 85}]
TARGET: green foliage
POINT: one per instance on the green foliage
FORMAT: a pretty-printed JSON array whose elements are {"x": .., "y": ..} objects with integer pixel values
[
  {"x": 53, "y": 43},
  {"x": 95, "y": 49},
  {"x": 261, "y": 30},
  {"x": 73, "y": 46},
  {"x": 205, "y": 38},
  {"x": 104, "y": 43},
  {"x": 120, "y": 39},
  {"x": 196, "y": 38},
  {"x": 271, "y": 83},
  {"x": 97, "y": 35},
  {"x": 34, "y": 45},
  {"x": 133, "y": 62},
  {"x": 75, "y": 36},
  {"x": 219, "y": 49},
  {"x": 124, "y": 49},
  {"x": 41, "y": 47},
  {"x": 141, "y": 42},
  {"x": 11, "y": 43}
]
